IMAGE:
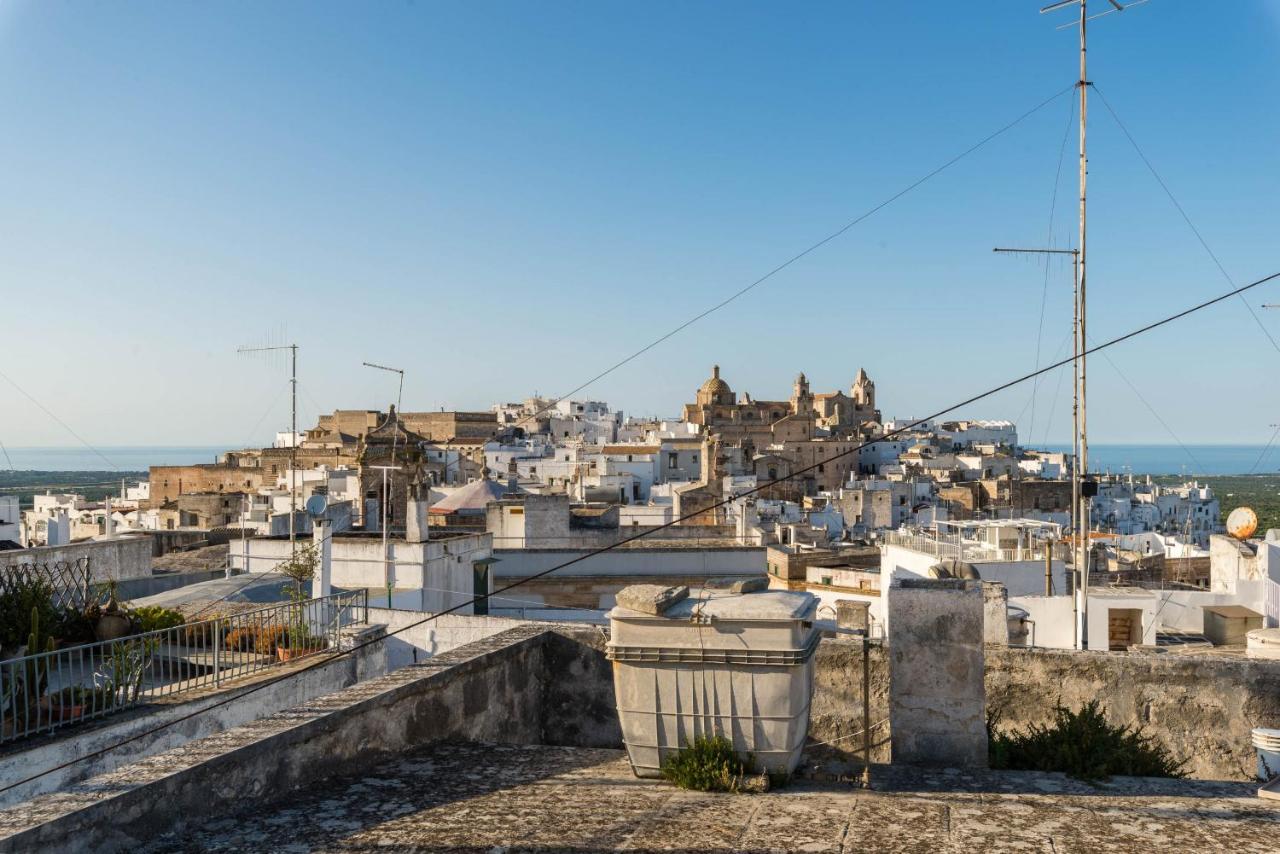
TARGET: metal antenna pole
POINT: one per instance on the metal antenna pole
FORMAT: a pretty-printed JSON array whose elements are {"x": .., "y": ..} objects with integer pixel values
[
  {"x": 386, "y": 492},
  {"x": 293, "y": 438},
  {"x": 1086, "y": 501},
  {"x": 293, "y": 456},
  {"x": 1081, "y": 307}
]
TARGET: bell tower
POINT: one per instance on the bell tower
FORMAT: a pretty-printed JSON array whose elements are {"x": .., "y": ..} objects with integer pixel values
[
  {"x": 863, "y": 391},
  {"x": 801, "y": 399}
]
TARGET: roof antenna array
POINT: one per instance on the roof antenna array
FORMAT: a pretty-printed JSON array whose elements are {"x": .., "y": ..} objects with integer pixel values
[
  {"x": 1083, "y": 489},
  {"x": 273, "y": 352}
]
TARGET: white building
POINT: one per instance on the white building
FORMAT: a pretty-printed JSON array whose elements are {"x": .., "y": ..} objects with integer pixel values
[
  {"x": 10, "y": 519},
  {"x": 430, "y": 575},
  {"x": 970, "y": 433}
]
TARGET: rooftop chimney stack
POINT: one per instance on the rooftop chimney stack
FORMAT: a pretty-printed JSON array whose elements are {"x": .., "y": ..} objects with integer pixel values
[{"x": 415, "y": 522}]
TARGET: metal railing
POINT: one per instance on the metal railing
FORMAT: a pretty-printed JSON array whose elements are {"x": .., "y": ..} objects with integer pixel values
[
  {"x": 41, "y": 692},
  {"x": 952, "y": 547}
]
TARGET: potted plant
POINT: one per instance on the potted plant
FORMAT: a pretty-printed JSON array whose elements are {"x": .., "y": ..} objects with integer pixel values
[
  {"x": 114, "y": 622},
  {"x": 65, "y": 705},
  {"x": 298, "y": 639},
  {"x": 298, "y": 644}
]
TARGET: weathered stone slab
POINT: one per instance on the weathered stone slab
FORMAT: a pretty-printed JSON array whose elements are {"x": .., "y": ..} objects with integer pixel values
[
  {"x": 746, "y": 584},
  {"x": 650, "y": 598}
]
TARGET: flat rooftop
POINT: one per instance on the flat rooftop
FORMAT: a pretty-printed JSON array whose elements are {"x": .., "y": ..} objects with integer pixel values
[{"x": 476, "y": 798}]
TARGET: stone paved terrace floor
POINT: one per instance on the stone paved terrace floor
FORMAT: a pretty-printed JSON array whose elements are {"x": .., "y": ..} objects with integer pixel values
[{"x": 484, "y": 798}]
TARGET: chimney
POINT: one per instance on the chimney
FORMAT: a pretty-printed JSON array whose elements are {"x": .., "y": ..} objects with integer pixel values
[
  {"x": 109, "y": 524},
  {"x": 322, "y": 538},
  {"x": 415, "y": 517}
]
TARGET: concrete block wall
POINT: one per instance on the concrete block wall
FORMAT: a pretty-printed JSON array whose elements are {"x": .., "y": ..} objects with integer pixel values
[
  {"x": 835, "y": 716},
  {"x": 417, "y": 643},
  {"x": 120, "y": 558},
  {"x": 937, "y": 700}
]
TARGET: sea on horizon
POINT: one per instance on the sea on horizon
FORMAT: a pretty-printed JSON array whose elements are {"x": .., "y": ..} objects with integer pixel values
[
  {"x": 117, "y": 458},
  {"x": 1189, "y": 460}
]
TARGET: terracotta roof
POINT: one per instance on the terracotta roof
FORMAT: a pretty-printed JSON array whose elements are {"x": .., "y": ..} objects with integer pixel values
[{"x": 471, "y": 500}]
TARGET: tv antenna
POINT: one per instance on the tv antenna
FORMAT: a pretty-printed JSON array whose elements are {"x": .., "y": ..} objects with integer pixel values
[
  {"x": 386, "y": 493},
  {"x": 293, "y": 434},
  {"x": 1081, "y": 438}
]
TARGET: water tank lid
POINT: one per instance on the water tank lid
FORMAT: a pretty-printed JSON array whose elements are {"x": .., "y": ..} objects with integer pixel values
[{"x": 769, "y": 605}]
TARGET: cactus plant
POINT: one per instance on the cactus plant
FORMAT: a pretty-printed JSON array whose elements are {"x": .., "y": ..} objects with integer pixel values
[{"x": 37, "y": 674}]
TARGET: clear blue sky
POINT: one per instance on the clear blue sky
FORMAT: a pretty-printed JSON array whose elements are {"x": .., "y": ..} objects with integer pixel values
[{"x": 505, "y": 197}]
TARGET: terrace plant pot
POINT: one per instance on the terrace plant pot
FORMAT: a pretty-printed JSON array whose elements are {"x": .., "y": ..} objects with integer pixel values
[
  {"x": 287, "y": 653},
  {"x": 112, "y": 626},
  {"x": 61, "y": 711}
]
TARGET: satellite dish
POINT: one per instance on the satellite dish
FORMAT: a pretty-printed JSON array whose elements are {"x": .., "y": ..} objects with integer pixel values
[
  {"x": 1242, "y": 522},
  {"x": 316, "y": 505}
]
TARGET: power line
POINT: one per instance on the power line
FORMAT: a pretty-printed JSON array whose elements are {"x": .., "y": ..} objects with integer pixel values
[
  {"x": 1057, "y": 392},
  {"x": 1044, "y": 290},
  {"x": 1152, "y": 410},
  {"x": 1270, "y": 441},
  {"x": 1185, "y": 218},
  {"x": 794, "y": 258},
  {"x": 649, "y": 532},
  {"x": 60, "y": 422}
]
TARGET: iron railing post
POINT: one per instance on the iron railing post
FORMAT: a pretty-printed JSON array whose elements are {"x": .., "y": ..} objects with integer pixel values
[{"x": 217, "y": 652}]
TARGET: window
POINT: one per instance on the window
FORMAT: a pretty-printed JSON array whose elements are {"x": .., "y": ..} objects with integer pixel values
[
  {"x": 673, "y": 461},
  {"x": 480, "y": 587}
]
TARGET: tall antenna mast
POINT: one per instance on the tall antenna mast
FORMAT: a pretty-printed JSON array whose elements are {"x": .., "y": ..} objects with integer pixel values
[
  {"x": 386, "y": 494},
  {"x": 1081, "y": 312},
  {"x": 293, "y": 437}
]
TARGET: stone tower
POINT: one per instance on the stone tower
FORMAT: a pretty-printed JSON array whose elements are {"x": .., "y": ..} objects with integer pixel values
[
  {"x": 863, "y": 391},
  {"x": 801, "y": 398}
]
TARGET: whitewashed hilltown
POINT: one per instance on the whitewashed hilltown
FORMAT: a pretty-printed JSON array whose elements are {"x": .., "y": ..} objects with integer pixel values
[{"x": 539, "y": 479}]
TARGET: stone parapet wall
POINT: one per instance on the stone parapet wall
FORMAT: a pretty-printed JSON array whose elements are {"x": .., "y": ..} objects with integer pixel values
[{"x": 1200, "y": 707}]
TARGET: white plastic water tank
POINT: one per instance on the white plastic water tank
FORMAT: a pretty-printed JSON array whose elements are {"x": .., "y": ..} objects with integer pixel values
[
  {"x": 1267, "y": 743},
  {"x": 739, "y": 665}
]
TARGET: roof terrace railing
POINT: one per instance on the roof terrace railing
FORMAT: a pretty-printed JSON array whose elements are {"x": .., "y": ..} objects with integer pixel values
[
  {"x": 42, "y": 692},
  {"x": 952, "y": 547}
]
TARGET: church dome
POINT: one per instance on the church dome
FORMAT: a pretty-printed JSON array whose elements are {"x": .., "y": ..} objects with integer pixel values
[{"x": 715, "y": 388}]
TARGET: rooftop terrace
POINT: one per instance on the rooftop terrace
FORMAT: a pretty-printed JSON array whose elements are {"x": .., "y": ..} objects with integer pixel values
[
  {"x": 509, "y": 743},
  {"x": 483, "y": 797}
]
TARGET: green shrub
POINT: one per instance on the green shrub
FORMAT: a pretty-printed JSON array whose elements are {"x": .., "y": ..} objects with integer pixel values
[
  {"x": 74, "y": 626},
  {"x": 150, "y": 618},
  {"x": 707, "y": 765},
  {"x": 1083, "y": 745},
  {"x": 24, "y": 598}
]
